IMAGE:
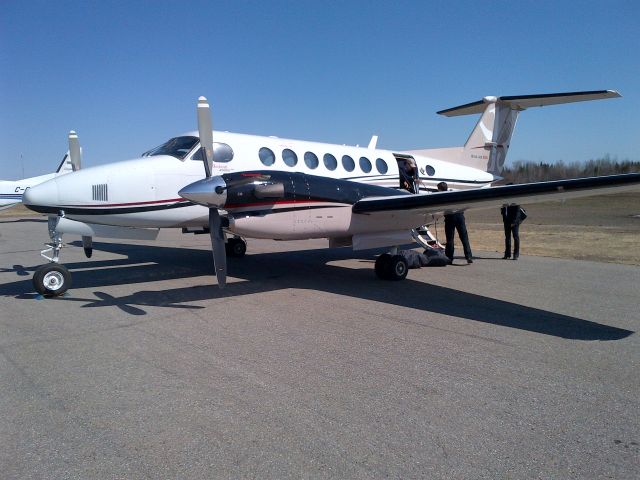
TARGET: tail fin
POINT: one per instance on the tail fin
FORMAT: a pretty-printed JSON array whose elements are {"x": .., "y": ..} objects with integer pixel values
[{"x": 487, "y": 146}]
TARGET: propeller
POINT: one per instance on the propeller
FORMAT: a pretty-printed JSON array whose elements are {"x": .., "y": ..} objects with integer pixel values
[
  {"x": 205, "y": 131},
  {"x": 75, "y": 154},
  {"x": 218, "y": 247}
]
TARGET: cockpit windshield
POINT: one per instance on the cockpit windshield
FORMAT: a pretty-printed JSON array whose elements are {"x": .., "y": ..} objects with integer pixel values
[{"x": 178, "y": 147}]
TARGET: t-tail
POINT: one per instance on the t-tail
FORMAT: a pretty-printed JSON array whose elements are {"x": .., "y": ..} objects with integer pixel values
[{"x": 487, "y": 146}]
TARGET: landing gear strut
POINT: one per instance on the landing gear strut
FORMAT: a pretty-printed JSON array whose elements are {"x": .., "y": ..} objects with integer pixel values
[{"x": 52, "y": 279}]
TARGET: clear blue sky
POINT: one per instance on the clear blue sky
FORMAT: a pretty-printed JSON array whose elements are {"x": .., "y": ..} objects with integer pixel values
[{"x": 127, "y": 74}]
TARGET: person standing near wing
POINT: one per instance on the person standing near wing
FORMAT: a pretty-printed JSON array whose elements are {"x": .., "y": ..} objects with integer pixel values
[
  {"x": 512, "y": 216},
  {"x": 453, "y": 222}
]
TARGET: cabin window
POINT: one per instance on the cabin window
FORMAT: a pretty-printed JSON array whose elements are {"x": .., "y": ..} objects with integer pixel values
[
  {"x": 290, "y": 158},
  {"x": 430, "y": 170},
  {"x": 222, "y": 153},
  {"x": 330, "y": 161},
  {"x": 266, "y": 156},
  {"x": 311, "y": 160},
  {"x": 365, "y": 164},
  {"x": 348, "y": 164},
  {"x": 381, "y": 165}
]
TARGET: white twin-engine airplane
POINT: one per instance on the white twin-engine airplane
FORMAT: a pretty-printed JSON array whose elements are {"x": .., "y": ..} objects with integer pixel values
[
  {"x": 11, "y": 191},
  {"x": 273, "y": 188}
]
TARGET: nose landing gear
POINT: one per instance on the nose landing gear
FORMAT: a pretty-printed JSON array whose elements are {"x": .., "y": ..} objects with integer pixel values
[{"x": 52, "y": 279}]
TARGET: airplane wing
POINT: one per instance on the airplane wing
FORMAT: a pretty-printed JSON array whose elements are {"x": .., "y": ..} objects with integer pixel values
[{"x": 408, "y": 211}]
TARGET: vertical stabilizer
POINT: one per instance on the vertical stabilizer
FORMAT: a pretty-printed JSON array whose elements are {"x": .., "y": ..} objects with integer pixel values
[{"x": 487, "y": 146}]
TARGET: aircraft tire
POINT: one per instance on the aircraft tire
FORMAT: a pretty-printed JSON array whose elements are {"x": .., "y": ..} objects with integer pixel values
[
  {"x": 236, "y": 247},
  {"x": 382, "y": 267},
  {"x": 51, "y": 280},
  {"x": 397, "y": 268}
]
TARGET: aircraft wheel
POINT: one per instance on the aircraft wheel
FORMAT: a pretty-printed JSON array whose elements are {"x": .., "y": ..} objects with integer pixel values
[
  {"x": 397, "y": 268},
  {"x": 236, "y": 247},
  {"x": 382, "y": 266},
  {"x": 88, "y": 251},
  {"x": 52, "y": 280}
]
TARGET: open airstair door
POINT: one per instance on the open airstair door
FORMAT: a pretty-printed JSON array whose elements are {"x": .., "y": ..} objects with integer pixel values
[{"x": 408, "y": 181}]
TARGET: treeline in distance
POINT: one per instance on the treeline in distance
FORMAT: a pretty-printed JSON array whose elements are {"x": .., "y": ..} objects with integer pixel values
[{"x": 527, "y": 172}]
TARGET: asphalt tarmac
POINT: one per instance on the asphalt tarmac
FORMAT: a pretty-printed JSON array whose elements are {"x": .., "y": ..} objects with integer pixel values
[{"x": 307, "y": 366}]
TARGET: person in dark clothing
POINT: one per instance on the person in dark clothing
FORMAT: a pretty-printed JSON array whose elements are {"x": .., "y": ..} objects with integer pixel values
[
  {"x": 453, "y": 222},
  {"x": 512, "y": 217},
  {"x": 408, "y": 175}
]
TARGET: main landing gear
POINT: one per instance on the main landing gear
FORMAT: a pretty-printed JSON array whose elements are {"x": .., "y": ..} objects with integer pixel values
[
  {"x": 391, "y": 266},
  {"x": 52, "y": 279},
  {"x": 235, "y": 247}
]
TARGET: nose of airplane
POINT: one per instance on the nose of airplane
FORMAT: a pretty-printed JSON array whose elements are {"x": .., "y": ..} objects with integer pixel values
[{"x": 41, "y": 196}]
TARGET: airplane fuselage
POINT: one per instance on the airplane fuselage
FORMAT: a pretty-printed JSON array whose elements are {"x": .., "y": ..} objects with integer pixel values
[{"x": 144, "y": 192}]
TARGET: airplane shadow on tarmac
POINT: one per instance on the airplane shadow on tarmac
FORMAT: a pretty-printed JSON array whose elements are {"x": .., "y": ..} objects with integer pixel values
[{"x": 306, "y": 269}]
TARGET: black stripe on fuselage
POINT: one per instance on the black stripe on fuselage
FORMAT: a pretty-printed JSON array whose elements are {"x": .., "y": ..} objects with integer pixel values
[
  {"x": 71, "y": 210},
  {"x": 377, "y": 178}
]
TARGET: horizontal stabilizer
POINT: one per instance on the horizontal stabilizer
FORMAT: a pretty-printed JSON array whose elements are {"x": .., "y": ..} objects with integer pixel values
[{"x": 522, "y": 102}]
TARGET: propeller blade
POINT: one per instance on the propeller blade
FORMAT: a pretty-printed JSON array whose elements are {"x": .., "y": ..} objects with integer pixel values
[
  {"x": 75, "y": 154},
  {"x": 218, "y": 247},
  {"x": 205, "y": 130}
]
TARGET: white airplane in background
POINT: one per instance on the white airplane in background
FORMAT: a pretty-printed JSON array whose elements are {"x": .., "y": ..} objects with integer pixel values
[
  {"x": 273, "y": 188},
  {"x": 11, "y": 191}
]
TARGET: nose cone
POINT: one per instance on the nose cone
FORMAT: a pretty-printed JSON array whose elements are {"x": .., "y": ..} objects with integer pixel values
[
  {"x": 44, "y": 198},
  {"x": 210, "y": 192}
]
